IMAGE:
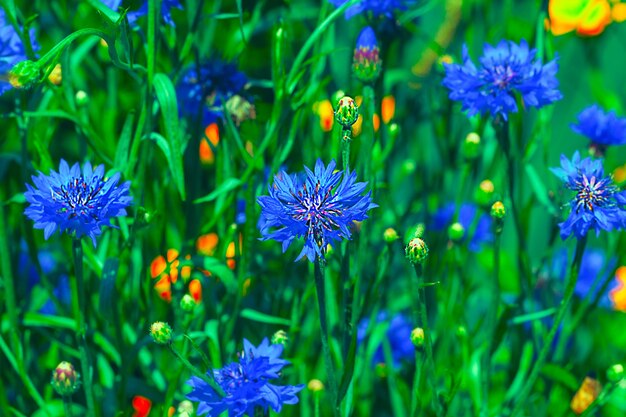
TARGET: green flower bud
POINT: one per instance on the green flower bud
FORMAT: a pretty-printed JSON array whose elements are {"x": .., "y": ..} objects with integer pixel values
[
  {"x": 416, "y": 251},
  {"x": 65, "y": 380},
  {"x": 161, "y": 333},
  {"x": 25, "y": 74},
  {"x": 408, "y": 166},
  {"x": 417, "y": 337},
  {"x": 615, "y": 373},
  {"x": 187, "y": 303},
  {"x": 315, "y": 385},
  {"x": 497, "y": 210},
  {"x": 347, "y": 112},
  {"x": 390, "y": 235},
  {"x": 484, "y": 193},
  {"x": 280, "y": 338},
  {"x": 82, "y": 99},
  {"x": 185, "y": 409},
  {"x": 367, "y": 63},
  {"x": 471, "y": 146},
  {"x": 394, "y": 130},
  {"x": 456, "y": 231}
]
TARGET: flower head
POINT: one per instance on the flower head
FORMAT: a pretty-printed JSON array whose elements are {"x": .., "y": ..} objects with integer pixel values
[
  {"x": 12, "y": 49},
  {"x": 398, "y": 335},
  {"x": 76, "y": 202},
  {"x": 586, "y": 17},
  {"x": 205, "y": 90},
  {"x": 601, "y": 128},
  {"x": 376, "y": 7},
  {"x": 366, "y": 64},
  {"x": 319, "y": 207},
  {"x": 246, "y": 384},
  {"x": 597, "y": 205},
  {"x": 505, "y": 71}
]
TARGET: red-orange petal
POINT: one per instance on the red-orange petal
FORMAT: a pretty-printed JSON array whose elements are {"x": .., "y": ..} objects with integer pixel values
[
  {"x": 207, "y": 243},
  {"x": 142, "y": 406},
  {"x": 157, "y": 267},
  {"x": 195, "y": 289}
]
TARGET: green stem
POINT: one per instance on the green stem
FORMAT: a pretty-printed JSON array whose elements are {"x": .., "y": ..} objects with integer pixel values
[
  {"x": 422, "y": 315},
  {"x": 203, "y": 376},
  {"x": 492, "y": 319},
  {"x": 417, "y": 377},
  {"x": 543, "y": 355},
  {"x": 346, "y": 140},
  {"x": 79, "y": 310},
  {"x": 67, "y": 406},
  {"x": 369, "y": 101},
  {"x": 320, "y": 287}
]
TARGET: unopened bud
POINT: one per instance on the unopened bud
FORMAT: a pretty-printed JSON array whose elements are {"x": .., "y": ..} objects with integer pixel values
[
  {"x": 315, "y": 385},
  {"x": 484, "y": 193},
  {"x": 417, "y": 337},
  {"x": 456, "y": 231},
  {"x": 615, "y": 373},
  {"x": 471, "y": 146},
  {"x": 65, "y": 379},
  {"x": 367, "y": 63},
  {"x": 25, "y": 74},
  {"x": 280, "y": 338},
  {"x": 347, "y": 112},
  {"x": 161, "y": 333},
  {"x": 497, "y": 210},
  {"x": 390, "y": 235},
  {"x": 416, "y": 251},
  {"x": 82, "y": 99},
  {"x": 187, "y": 303},
  {"x": 56, "y": 76}
]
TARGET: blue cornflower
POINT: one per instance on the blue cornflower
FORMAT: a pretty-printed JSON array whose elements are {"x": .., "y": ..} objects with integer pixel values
[
  {"x": 598, "y": 203},
  {"x": 74, "y": 202},
  {"x": 398, "y": 335},
  {"x": 375, "y": 7},
  {"x": 207, "y": 91},
  {"x": 320, "y": 207},
  {"x": 482, "y": 232},
  {"x": 506, "y": 71},
  {"x": 166, "y": 11},
  {"x": 601, "y": 128},
  {"x": 11, "y": 49},
  {"x": 246, "y": 384},
  {"x": 366, "y": 63},
  {"x": 112, "y": 4}
]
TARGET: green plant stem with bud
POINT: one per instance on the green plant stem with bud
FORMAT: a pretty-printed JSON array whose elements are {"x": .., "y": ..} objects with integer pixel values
[
  {"x": 421, "y": 312},
  {"x": 67, "y": 406},
  {"x": 195, "y": 371},
  {"x": 492, "y": 317},
  {"x": 320, "y": 287},
  {"x": 547, "y": 346},
  {"x": 79, "y": 310}
]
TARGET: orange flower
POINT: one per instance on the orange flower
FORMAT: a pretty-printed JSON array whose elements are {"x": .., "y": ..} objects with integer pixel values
[
  {"x": 588, "y": 392},
  {"x": 586, "y": 17},
  {"x": 207, "y": 243},
  {"x": 618, "y": 294},
  {"x": 195, "y": 290},
  {"x": 166, "y": 270},
  {"x": 324, "y": 109},
  {"x": 211, "y": 134},
  {"x": 388, "y": 108},
  {"x": 141, "y": 405}
]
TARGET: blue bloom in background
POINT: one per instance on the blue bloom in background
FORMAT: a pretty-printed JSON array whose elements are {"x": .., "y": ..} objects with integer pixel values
[
  {"x": 602, "y": 128},
  {"x": 320, "y": 207},
  {"x": 598, "y": 204},
  {"x": 207, "y": 89},
  {"x": 375, "y": 7},
  {"x": 398, "y": 335},
  {"x": 112, "y": 4},
  {"x": 166, "y": 11},
  {"x": 12, "y": 49},
  {"x": 76, "y": 202},
  {"x": 246, "y": 384},
  {"x": 482, "y": 232},
  {"x": 505, "y": 72}
]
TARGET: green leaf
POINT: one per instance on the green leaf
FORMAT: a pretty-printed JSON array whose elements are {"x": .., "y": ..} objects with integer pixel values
[
  {"x": 539, "y": 189},
  {"x": 254, "y": 315},
  {"x": 562, "y": 375},
  {"x": 32, "y": 319},
  {"x": 112, "y": 15},
  {"x": 537, "y": 315},
  {"x": 166, "y": 95},
  {"x": 226, "y": 186},
  {"x": 219, "y": 268},
  {"x": 123, "y": 147}
]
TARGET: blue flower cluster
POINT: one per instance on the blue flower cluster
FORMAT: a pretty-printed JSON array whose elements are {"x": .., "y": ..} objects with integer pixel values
[
  {"x": 12, "y": 49},
  {"x": 598, "y": 204},
  {"x": 398, "y": 336},
  {"x": 246, "y": 384},
  {"x": 166, "y": 10},
  {"x": 76, "y": 202},
  {"x": 505, "y": 72},
  {"x": 203, "y": 91},
  {"x": 320, "y": 207},
  {"x": 376, "y": 7},
  {"x": 602, "y": 128}
]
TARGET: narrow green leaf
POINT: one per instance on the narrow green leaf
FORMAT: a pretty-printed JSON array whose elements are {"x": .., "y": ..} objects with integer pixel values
[
  {"x": 257, "y": 316},
  {"x": 560, "y": 374},
  {"x": 107, "y": 288},
  {"x": 539, "y": 189},
  {"x": 123, "y": 147},
  {"x": 112, "y": 15},
  {"x": 32, "y": 319},
  {"x": 166, "y": 95},
  {"x": 537, "y": 315},
  {"x": 226, "y": 186},
  {"x": 219, "y": 268}
]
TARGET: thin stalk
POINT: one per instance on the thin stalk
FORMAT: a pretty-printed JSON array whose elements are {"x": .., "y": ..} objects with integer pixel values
[
  {"x": 422, "y": 315},
  {"x": 492, "y": 320},
  {"x": 369, "y": 100},
  {"x": 320, "y": 287},
  {"x": 67, "y": 406},
  {"x": 417, "y": 377},
  {"x": 567, "y": 297},
  {"x": 79, "y": 310},
  {"x": 346, "y": 140},
  {"x": 195, "y": 371}
]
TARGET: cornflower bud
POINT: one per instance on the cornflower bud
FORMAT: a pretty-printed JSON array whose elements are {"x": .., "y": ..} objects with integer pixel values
[
  {"x": 456, "y": 231},
  {"x": 161, "y": 333},
  {"x": 280, "y": 338},
  {"x": 471, "y": 146},
  {"x": 366, "y": 64},
  {"x": 416, "y": 250},
  {"x": 417, "y": 337},
  {"x": 390, "y": 235},
  {"x": 347, "y": 112},
  {"x": 25, "y": 74},
  {"x": 65, "y": 380}
]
